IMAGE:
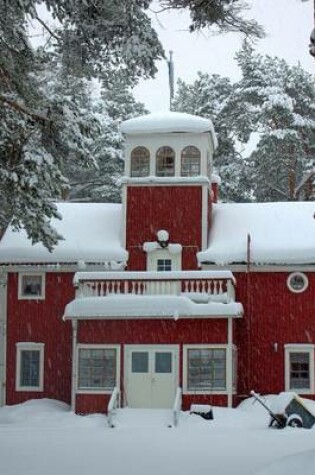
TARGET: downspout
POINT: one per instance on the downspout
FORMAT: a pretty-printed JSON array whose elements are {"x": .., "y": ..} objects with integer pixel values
[
  {"x": 3, "y": 336},
  {"x": 74, "y": 364},
  {"x": 229, "y": 358}
]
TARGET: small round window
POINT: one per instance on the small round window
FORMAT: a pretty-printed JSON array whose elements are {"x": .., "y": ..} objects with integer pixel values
[{"x": 297, "y": 282}]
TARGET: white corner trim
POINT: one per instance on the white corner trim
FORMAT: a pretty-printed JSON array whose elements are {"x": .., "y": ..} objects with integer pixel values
[
  {"x": 204, "y": 217},
  {"x": 123, "y": 236},
  {"x": 74, "y": 368},
  {"x": 229, "y": 362}
]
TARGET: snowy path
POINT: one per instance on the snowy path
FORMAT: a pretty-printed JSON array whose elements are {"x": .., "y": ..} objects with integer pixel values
[
  {"x": 146, "y": 418},
  {"x": 40, "y": 438}
]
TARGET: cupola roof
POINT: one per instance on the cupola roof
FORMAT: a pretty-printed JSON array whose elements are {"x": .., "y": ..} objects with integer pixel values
[{"x": 168, "y": 122}]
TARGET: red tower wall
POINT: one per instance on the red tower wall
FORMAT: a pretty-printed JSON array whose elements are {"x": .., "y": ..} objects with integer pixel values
[{"x": 177, "y": 209}]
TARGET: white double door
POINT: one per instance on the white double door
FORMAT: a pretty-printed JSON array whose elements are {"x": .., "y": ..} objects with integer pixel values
[{"x": 151, "y": 375}]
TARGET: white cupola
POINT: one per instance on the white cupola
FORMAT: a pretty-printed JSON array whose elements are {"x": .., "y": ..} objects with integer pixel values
[{"x": 170, "y": 144}]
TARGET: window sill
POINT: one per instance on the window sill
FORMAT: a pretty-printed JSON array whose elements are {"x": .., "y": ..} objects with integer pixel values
[
  {"x": 94, "y": 391},
  {"x": 207, "y": 392},
  {"x": 29, "y": 389}
]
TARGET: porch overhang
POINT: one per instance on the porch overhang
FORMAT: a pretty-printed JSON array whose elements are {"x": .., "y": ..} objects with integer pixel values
[{"x": 126, "y": 307}]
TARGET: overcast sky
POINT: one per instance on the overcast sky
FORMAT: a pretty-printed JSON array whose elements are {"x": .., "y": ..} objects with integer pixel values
[{"x": 287, "y": 23}]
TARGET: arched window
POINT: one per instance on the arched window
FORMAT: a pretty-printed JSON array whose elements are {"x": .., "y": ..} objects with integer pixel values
[
  {"x": 165, "y": 162},
  {"x": 140, "y": 162},
  {"x": 190, "y": 161}
]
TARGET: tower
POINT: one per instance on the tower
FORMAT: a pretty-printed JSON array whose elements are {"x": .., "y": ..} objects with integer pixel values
[{"x": 166, "y": 190}]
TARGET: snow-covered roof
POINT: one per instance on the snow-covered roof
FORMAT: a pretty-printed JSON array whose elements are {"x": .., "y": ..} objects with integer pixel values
[
  {"x": 168, "y": 122},
  {"x": 138, "y": 306},
  {"x": 274, "y": 233},
  {"x": 91, "y": 233}
]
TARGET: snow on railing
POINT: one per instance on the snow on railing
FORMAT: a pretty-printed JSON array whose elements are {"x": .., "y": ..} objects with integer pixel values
[
  {"x": 113, "y": 404},
  {"x": 177, "y": 406},
  {"x": 218, "y": 286}
]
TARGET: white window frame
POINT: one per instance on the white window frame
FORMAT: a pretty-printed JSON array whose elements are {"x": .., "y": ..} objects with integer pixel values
[
  {"x": 303, "y": 277},
  {"x": 88, "y": 346},
  {"x": 22, "y": 296},
  {"x": 204, "y": 347},
  {"x": 133, "y": 157},
  {"x": 164, "y": 171},
  {"x": 299, "y": 348},
  {"x": 29, "y": 346},
  {"x": 194, "y": 160}
]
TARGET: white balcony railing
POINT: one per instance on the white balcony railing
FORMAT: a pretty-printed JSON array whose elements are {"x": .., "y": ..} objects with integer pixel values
[{"x": 198, "y": 285}]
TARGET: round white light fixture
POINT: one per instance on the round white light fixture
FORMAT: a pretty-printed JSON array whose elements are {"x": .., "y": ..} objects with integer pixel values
[{"x": 162, "y": 237}]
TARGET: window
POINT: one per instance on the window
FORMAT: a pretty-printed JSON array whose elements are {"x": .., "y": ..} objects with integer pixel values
[
  {"x": 164, "y": 265},
  {"x": 31, "y": 286},
  {"x": 140, "y": 162},
  {"x": 140, "y": 362},
  {"x": 163, "y": 362},
  {"x": 205, "y": 369},
  {"x": 29, "y": 366},
  {"x": 163, "y": 260},
  {"x": 165, "y": 162},
  {"x": 98, "y": 368},
  {"x": 299, "y": 368},
  {"x": 297, "y": 282},
  {"x": 190, "y": 161}
]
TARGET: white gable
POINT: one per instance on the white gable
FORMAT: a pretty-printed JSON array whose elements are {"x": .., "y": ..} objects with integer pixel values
[
  {"x": 91, "y": 233},
  {"x": 279, "y": 233}
]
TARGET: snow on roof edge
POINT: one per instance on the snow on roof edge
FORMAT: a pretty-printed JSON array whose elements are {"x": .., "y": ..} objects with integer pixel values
[
  {"x": 169, "y": 122},
  {"x": 146, "y": 307}
]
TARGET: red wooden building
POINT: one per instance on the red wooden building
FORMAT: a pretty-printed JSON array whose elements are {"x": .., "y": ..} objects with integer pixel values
[{"x": 171, "y": 289}]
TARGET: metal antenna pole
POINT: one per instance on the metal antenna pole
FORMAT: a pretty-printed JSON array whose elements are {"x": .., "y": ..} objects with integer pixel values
[
  {"x": 312, "y": 38},
  {"x": 170, "y": 63}
]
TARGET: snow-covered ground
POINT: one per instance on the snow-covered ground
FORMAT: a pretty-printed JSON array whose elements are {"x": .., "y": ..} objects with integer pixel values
[{"x": 44, "y": 438}]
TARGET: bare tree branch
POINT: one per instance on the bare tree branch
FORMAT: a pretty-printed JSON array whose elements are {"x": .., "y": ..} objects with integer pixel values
[
  {"x": 47, "y": 28},
  {"x": 22, "y": 108}
]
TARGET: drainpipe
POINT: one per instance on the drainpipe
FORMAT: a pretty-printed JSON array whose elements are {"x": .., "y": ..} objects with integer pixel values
[
  {"x": 74, "y": 364},
  {"x": 3, "y": 335},
  {"x": 229, "y": 358}
]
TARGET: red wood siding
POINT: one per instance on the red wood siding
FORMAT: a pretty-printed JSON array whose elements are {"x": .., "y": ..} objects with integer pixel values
[
  {"x": 212, "y": 399},
  {"x": 40, "y": 321},
  {"x": 140, "y": 332},
  {"x": 178, "y": 209},
  {"x": 92, "y": 403},
  {"x": 272, "y": 314}
]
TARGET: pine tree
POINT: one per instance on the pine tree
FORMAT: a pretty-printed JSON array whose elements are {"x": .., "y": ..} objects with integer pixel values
[
  {"x": 209, "y": 97},
  {"x": 277, "y": 101},
  {"x": 96, "y": 38}
]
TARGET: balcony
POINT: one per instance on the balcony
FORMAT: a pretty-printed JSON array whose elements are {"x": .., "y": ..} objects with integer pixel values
[{"x": 198, "y": 286}]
